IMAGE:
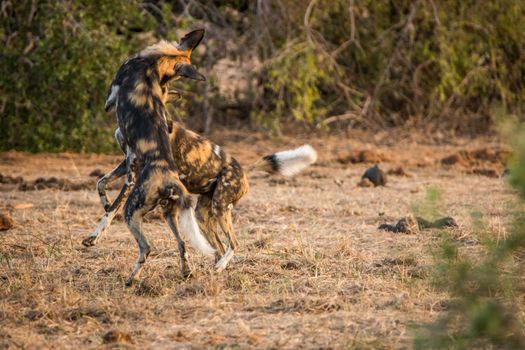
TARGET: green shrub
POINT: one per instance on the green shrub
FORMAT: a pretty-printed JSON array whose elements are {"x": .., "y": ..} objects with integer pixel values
[
  {"x": 370, "y": 63},
  {"x": 57, "y": 62},
  {"x": 447, "y": 62},
  {"x": 486, "y": 307}
]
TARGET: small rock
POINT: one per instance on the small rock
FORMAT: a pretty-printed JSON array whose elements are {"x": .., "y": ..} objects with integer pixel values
[
  {"x": 407, "y": 225},
  {"x": 7, "y": 179},
  {"x": 6, "y": 222},
  {"x": 96, "y": 173},
  {"x": 486, "y": 172},
  {"x": 410, "y": 224},
  {"x": 439, "y": 223},
  {"x": 114, "y": 336},
  {"x": 375, "y": 175},
  {"x": 361, "y": 156},
  {"x": 453, "y": 159},
  {"x": 291, "y": 265}
]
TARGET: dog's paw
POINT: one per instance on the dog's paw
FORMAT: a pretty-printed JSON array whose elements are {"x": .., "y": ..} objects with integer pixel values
[
  {"x": 223, "y": 262},
  {"x": 129, "y": 281},
  {"x": 89, "y": 241},
  {"x": 186, "y": 273},
  {"x": 221, "y": 265}
]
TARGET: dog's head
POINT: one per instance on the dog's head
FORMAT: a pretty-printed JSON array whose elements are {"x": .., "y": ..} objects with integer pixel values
[
  {"x": 170, "y": 61},
  {"x": 173, "y": 60}
]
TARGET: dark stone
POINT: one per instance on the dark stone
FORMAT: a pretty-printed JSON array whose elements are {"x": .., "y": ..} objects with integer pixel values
[{"x": 375, "y": 175}]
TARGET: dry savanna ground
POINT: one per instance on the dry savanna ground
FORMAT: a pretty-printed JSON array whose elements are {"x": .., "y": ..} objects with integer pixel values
[{"x": 313, "y": 270}]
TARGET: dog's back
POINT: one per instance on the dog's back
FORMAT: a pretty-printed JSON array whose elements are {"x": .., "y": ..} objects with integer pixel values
[{"x": 200, "y": 162}]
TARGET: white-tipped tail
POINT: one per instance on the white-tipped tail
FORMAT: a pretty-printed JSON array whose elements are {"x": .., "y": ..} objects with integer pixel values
[
  {"x": 293, "y": 161},
  {"x": 190, "y": 228}
]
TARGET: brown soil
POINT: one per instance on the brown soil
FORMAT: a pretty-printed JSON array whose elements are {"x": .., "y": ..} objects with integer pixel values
[
  {"x": 313, "y": 270},
  {"x": 487, "y": 161}
]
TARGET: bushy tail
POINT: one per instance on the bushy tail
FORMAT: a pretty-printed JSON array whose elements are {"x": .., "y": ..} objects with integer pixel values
[
  {"x": 287, "y": 163},
  {"x": 190, "y": 228}
]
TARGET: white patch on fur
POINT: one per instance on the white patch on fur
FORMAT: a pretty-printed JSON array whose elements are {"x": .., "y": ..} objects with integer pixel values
[
  {"x": 217, "y": 150},
  {"x": 223, "y": 262},
  {"x": 117, "y": 135},
  {"x": 103, "y": 224},
  {"x": 130, "y": 159},
  {"x": 113, "y": 95},
  {"x": 163, "y": 47},
  {"x": 293, "y": 161},
  {"x": 190, "y": 228}
]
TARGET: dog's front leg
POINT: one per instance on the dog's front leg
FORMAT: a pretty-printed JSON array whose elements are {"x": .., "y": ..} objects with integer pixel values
[
  {"x": 114, "y": 174},
  {"x": 111, "y": 211}
]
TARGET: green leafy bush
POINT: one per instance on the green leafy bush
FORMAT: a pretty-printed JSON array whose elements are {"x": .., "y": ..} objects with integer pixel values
[
  {"x": 446, "y": 62},
  {"x": 369, "y": 63},
  {"x": 57, "y": 60}
]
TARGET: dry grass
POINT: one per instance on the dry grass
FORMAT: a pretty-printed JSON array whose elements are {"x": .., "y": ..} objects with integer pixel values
[{"x": 313, "y": 271}]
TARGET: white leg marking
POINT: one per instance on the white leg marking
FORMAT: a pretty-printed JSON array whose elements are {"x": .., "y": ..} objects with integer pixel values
[
  {"x": 103, "y": 225},
  {"x": 217, "y": 150},
  {"x": 112, "y": 95},
  {"x": 221, "y": 264}
]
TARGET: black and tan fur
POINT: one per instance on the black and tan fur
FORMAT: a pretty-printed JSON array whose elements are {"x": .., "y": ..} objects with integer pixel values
[
  {"x": 204, "y": 169},
  {"x": 141, "y": 116}
]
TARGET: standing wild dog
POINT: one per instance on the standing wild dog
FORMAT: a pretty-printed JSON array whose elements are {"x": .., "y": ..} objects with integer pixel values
[
  {"x": 141, "y": 115},
  {"x": 218, "y": 178}
]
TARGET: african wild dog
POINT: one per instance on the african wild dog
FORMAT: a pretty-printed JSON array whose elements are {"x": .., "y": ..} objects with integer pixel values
[
  {"x": 141, "y": 115},
  {"x": 204, "y": 169},
  {"x": 218, "y": 178}
]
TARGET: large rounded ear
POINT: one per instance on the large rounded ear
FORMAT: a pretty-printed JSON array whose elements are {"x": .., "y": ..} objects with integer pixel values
[
  {"x": 188, "y": 71},
  {"x": 191, "y": 40}
]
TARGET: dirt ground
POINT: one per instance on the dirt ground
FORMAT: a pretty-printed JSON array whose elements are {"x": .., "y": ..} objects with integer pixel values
[{"x": 313, "y": 270}]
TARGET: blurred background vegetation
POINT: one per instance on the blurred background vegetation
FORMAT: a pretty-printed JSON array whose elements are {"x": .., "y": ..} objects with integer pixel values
[
  {"x": 485, "y": 309},
  {"x": 271, "y": 64}
]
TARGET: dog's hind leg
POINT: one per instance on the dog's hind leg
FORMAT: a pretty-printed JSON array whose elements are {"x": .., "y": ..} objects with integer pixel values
[
  {"x": 231, "y": 186},
  {"x": 225, "y": 222},
  {"x": 171, "y": 214},
  {"x": 134, "y": 211},
  {"x": 209, "y": 225}
]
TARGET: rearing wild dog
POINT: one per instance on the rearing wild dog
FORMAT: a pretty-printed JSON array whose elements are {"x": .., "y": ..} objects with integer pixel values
[
  {"x": 141, "y": 116},
  {"x": 220, "y": 181},
  {"x": 204, "y": 169}
]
